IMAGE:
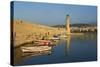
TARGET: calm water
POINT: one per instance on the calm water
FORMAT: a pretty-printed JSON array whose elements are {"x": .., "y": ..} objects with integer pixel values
[{"x": 73, "y": 49}]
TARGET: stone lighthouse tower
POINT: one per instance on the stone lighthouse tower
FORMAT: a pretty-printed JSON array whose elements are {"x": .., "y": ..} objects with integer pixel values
[{"x": 67, "y": 25}]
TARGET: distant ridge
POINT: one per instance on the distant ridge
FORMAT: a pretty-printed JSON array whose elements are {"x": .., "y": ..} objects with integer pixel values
[{"x": 75, "y": 25}]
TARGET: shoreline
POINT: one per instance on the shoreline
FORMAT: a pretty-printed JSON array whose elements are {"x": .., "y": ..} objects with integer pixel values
[{"x": 26, "y": 33}]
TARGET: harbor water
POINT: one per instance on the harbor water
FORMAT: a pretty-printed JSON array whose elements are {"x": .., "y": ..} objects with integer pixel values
[{"x": 76, "y": 48}]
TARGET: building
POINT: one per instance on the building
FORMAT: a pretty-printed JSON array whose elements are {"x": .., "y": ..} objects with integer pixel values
[{"x": 67, "y": 25}]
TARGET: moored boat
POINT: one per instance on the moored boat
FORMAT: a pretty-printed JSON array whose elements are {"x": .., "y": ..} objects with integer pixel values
[
  {"x": 54, "y": 38},
  {"x": 43, "y": 43},
  {"x": 36, "y": 49}
]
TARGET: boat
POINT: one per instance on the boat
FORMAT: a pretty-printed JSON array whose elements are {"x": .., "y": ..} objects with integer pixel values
[
  {"x": 43, "y": 43},
  {"x": 36, "y": 49},
  {"x": 54, "y": 38}
]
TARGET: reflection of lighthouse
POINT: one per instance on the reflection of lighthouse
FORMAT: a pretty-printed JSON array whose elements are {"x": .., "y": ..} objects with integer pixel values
[
  {"x": 67, "y": 25},
  {"x": 67, "y": 46}
]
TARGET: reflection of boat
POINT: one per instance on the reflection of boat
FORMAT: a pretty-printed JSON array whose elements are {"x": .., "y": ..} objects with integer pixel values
[
  {"x": 36, "y": 49},
  {"x": 63, "y": 36},
  {"x": 28, "y": 54}
]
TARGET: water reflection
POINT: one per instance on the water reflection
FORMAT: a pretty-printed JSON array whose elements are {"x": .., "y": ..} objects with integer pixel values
[
  {"x": 67, "y": 45},
  {"x": 72, "y": 48},
  {"x": 86, "y": 36}
]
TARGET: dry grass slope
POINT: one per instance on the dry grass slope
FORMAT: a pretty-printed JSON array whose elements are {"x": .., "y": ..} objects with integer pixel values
[{"x": 26, "y": 32}]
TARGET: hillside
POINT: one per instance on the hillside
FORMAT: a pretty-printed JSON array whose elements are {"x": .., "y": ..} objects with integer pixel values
[{"x": 25, "y": 32}]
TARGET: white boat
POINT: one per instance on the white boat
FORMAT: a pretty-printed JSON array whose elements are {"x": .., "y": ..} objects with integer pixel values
[
  {"x": 54, "y": 38},
  {"x": 36, "y": 49}
]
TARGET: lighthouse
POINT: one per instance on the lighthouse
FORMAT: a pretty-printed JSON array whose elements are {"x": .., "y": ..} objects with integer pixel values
[{"x": 67, "y": 25}]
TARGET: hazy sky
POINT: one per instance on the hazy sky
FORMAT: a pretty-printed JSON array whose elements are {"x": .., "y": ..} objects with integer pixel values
[{"x": 54, "y": 14}]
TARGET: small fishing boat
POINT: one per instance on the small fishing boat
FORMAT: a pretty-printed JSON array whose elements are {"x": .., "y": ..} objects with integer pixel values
[
  {"x": 54, "y": 38},
  {"x": 43, "y": 42},
  {"x": 36, "y": 49}
]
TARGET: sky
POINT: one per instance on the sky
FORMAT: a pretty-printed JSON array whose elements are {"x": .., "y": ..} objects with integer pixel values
[{"x": 54, "y": 14}]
